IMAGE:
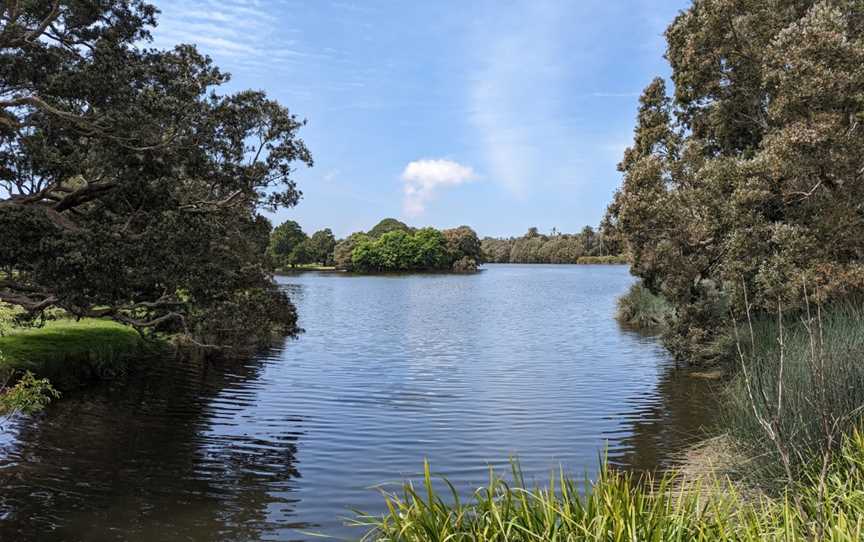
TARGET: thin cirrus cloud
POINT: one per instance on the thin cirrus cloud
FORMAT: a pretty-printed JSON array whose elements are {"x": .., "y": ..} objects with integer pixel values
[
  {"x": 515, "y": 93},
  {"x": 232, "y": 29},
  {"x": 423, "y": 178}
]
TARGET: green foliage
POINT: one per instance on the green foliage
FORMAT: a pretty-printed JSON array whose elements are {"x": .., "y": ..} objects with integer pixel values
[
  {"x": 321, "y": 246},
  {"x": 462, "y": 242},
  {"x": 344, "y": 250},
  {"x": 618, "y": 259},
  {"x": 623, "y": 506},
  {"x": 128, "y": 184},
  {"x": 748, "y": 177},
  {"x": 815, "y": 376},
  {"x": 7, "y": 317},
  {"x": 28, "y": 395},
  {"x": 300, "y": 254},
  {"x": 643, "y": 310},
  {"x": 387, "y": 225},
  {"x": 587, "y": 246},
  {"x": 426, "y": 249},
  {"x": 284, "y": 241}
]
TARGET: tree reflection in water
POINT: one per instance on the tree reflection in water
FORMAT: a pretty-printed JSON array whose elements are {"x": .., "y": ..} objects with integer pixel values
[{"x": 166, "y": 455}]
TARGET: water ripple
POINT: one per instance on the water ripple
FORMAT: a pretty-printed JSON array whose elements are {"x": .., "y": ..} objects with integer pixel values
[{"x": 465, "y": 371}]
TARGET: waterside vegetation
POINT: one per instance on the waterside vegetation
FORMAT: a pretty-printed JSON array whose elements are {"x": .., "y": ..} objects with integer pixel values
[
  {"x": 587, "y": 246},
  {"x": 624, "y": 506},
  {"x": 130, "y": 186}
]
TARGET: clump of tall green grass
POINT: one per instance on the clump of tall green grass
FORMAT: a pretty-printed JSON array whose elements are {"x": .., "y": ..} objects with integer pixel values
[
  {"x": 800, "y": 387},
  {"x": 643, "y": 310},
  {"x": 626, "y": 507}
]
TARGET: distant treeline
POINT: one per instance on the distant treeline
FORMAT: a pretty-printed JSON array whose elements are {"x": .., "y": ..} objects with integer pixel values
[{"x": 587, "y": 246}]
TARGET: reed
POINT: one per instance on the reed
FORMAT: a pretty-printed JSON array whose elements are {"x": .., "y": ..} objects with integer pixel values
[
  {"x": 800, "y": 387},
  {"x": 643, "y": 310},
  {"x": 627, "y": 507}
]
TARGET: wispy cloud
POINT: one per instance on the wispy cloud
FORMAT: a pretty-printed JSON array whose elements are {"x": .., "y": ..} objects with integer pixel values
[
  {"x": 422, "y": 178},
  {"x": 514, "y": 97},
  {"x": 237, "y": 29}
]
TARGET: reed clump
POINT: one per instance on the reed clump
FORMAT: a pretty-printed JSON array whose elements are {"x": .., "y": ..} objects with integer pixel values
[
  {"x": 628, "y": 507},
  {"x": 644, "y": 311}
]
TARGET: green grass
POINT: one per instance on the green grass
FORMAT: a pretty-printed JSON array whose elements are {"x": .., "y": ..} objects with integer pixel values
[
  {"x": 624, "y": 507},
  {"x": 822, "y": 387},
  {"x": 66, "y": 350},
  {"x": 642, "y": 310},
  {"x": 62, "y": 340}
]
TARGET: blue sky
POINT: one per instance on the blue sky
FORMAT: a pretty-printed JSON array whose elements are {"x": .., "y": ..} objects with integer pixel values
[{"x": 497, "y": 114}]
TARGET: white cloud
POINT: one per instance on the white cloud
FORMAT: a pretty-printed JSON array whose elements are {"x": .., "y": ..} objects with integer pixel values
[{"x": 423, "y": 177}]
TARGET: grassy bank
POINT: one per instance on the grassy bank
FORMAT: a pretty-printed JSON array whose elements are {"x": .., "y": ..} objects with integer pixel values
[
  {"x": 798, "y": 389},
  {"x": 66, "y": 351},
  {"x": 623, "y": 507}
]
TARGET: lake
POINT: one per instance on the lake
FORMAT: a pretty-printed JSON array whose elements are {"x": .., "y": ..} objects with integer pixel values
[{"x": 467, "y": 371}]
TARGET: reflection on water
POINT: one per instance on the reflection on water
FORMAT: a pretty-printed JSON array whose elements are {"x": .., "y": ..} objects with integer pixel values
[{"x": 467, "y": 371}]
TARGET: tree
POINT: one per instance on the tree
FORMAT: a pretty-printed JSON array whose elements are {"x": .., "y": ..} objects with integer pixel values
[
  {"x": 321, "y": 246},
  {"x": 430, "y": 251},
  {"x": 343, "y": 253},
  {"x": 749, "y": 178},
  {"x": 286, "y": 237},
  {"x": 129, "y": 188},
  {"x": 462, "y": 242},
  {"x": 301, "y": 254},
  {"x": 388, "y": 225},
  {"x": 496, "y": 250}
]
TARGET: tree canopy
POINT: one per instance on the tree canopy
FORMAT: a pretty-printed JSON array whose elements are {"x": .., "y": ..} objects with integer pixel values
[
  {"x": 285, "y": 243},
  {"x": 129, "y": 187},
  {"x": 388, "y": 225},
  {"x": 321, "y": 246},
  {"x": 396, "y": 247},
  {"x": 557, "y": 247},
  {"x": 749, "y": 178}
]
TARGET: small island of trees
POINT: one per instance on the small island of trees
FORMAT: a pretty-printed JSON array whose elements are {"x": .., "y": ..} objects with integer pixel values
[{"x": 391, "y": 246}]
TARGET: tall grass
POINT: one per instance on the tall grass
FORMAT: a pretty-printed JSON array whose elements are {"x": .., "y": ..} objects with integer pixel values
[
  {"x": 643, "y": 310},
  {"x": 800, "y": 388},
  {"x": 625, "y": 507}
]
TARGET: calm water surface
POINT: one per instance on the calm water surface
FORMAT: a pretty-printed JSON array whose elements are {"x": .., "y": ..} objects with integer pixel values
[{"x": 466, "y": 371}]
